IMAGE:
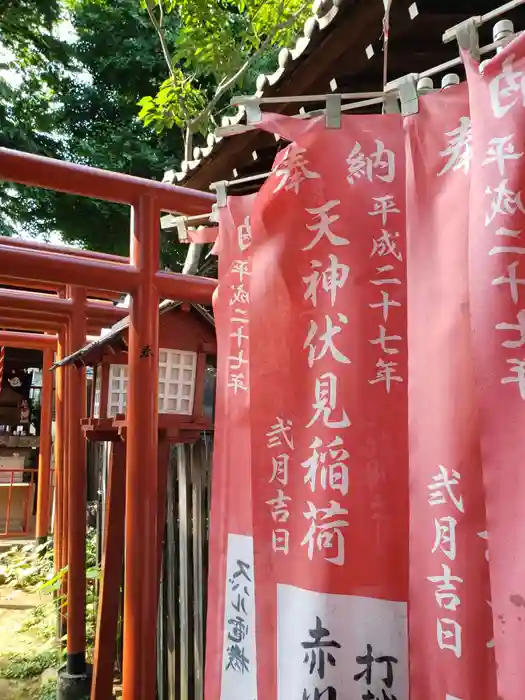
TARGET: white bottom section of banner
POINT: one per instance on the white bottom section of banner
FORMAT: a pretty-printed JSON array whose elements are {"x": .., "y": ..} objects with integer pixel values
[
  {"x": 337, "y": 647},
  {"x": 239, "y": 667}
]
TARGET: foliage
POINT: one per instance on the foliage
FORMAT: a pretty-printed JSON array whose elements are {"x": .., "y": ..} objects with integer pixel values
[
  {"x": 20, "y": 666},
  {"x": 217, "y": 47},
  {"x": 48, "y": 691},
  {"x": 176, "y": 99},
  {"x": 27, "y": 24},
  {"x": 27, "y": 567},
  {"x": 78, "y": 102},
  {"x": 31, "y": 569}
]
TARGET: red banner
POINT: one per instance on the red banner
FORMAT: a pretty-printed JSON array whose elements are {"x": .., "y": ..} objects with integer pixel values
[
  {"x": 497, "y": 279},
  {"x": 329, "y": 425},
  {"x": 230, "y": 643},
  {"x": 451, "y": 653}
]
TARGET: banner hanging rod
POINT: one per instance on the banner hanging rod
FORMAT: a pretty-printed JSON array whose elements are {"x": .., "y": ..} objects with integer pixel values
[
  {"x": 238, "y": 100},
  {"x": 478, "y": 20},
  {"x": 503, "y": 34},
  {"x": 458, "y": 61},
  {"x": 235, "y": 129}
]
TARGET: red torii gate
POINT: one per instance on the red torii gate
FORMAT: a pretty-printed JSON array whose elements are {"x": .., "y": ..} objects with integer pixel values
[
  {"x": 47, "y": 344},
  {"x": 51, "y": 314},
  {"x": 140, "y": 277}
]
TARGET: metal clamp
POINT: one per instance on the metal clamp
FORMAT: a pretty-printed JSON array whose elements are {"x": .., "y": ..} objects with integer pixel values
[
  {"x": 253, "y": 112},
  {"x": 405, "y": 90},
  {"x": 214, "y": 216},
  {"x": 466, "y": 34},
  {"x": 333, "y": 112},
  {"x": 182, "y": 229},
  {"x": 220, "y": 188}
]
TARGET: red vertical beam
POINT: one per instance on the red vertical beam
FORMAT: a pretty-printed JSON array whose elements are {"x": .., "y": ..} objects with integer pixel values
[
  {"x": 141, "y": 581},
  {"x": 59, "y": 456},
  {"x": 163, "y": 462},
  {"x": 200, "y": 375},
  {"x": 44, "y": 459},
  {"x": 76, "y": 584},
  {"x": 104, "y": 390},
  {"x": 9, "y": 499},
  {"x": 65, "y": 481},
  {"x": 65, "y": 454},
  {"x": 108, "y": 610}
]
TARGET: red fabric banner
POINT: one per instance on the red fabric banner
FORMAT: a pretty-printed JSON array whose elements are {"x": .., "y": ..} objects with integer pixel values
[
  {"x": 451, "y": 653},
  {"x": 230, "y": 643},
  {"x": 329, "y": 425},
  {"x": 497, "y": 279}
]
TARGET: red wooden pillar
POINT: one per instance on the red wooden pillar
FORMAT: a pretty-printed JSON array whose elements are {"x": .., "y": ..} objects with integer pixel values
[
  {"x": 76, "y": 583},
  {"x": 163, "y": 462},
  {"x": 44, "y": 459},
  {"x": 104, "y": 389},
  {"x": 65, "y": 455},
  {"x": 108, "y": 610},
  {"x": 200, "y": 375},
  {"x": 61, "y": 477},
  {"x": 59, "y": 456},
  {"x": 141, "y": 580}
]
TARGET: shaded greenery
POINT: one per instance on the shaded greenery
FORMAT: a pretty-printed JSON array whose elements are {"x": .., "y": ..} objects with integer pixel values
[
  {"x": 220, "y": 47},
  {"x": 27, "y": 567},
  {"x": 31, "y": 568},
  {"x": 74, "y": 95},
  {"x": 48, "y": 691},
  {"x": 30, "y": 665},
  {"x": 82, "y": 106},
  {"x": 26, "y": 25}
]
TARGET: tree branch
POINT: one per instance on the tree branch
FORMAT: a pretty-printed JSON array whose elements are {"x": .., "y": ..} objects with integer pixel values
[
  {"x": 158, "y": 25},
  {"x": 226, "y": 84},
  {"x": 162, "y": 37}
]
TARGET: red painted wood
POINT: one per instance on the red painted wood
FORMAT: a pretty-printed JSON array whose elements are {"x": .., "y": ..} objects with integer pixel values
[
  {"x": 76, "y": 464},
  {"x": 108, "y": 610},
  {"x": 38, "y": 171},
  {"x": 44, "y": 458}
]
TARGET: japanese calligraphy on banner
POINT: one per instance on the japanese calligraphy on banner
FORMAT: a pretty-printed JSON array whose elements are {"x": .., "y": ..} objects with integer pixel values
[
  {"x": 231, "y": 668},
  {"x": 329, "y": 438},
  {"x": 451, "y": 647},
  {"x": 497, "y": 279}
]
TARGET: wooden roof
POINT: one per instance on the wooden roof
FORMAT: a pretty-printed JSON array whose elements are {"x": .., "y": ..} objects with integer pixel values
[
  {"x": 330, "y": 56},
  {"x": 91, "y": 353}
]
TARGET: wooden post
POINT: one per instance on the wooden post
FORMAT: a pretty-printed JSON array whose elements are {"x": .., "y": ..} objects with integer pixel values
[
  {"x": 59, "y": 456},
  {"x": 44, "y": 459},
  {"x": 76, "y": 578},
  {"x": 104, "y": 390},
  {"x": 108, "y": 610},
  {"x": 141, "y": 581},
  {"x": 163, "y": 463}
]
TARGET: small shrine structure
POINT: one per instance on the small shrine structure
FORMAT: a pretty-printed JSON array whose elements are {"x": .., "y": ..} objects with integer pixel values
[
  {"x": 19, "y": 440},
  {"x": 187, "y": 346}
]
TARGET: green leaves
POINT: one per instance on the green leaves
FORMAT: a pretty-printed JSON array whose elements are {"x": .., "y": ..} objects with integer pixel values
[
  {"x": 176, "y": 102},
  {"x": 29, "y": 665},
  {"x": 83, "y": 107},
  {"x": 217, "y": 43}
]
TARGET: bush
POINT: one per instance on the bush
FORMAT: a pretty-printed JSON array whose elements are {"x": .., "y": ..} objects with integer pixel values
[
  {"x": 27, "y": 567},
  {"x": 48, "y": 691},
  {"x": 22, "y": 666}
]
